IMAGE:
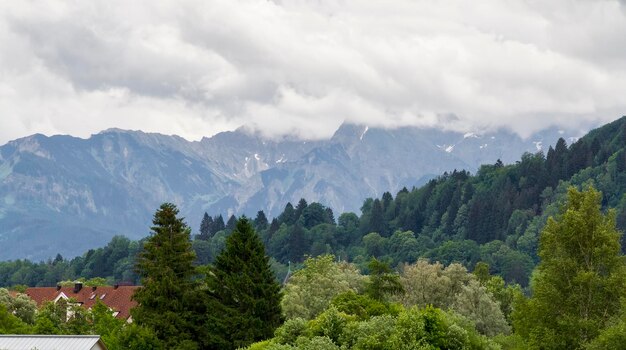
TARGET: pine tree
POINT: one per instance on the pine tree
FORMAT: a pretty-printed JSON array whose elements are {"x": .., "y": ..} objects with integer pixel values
[
  {"x": 243, "y": 293},
  {"x": 330, "y": 216},
  {"x": 218, "y": 224},
  {"x": 377, "y": 221},
  {"x": 580, "y": 280},
  {"x": 296, "y": 244},
  {"x": 232, "y": 222},
  {"x": 274, "y": 226},
  {"x": 387, "y": 199},
  {"x": 288, "y": 216},
  {"x": 383, "y": 282},
  {"x": 166, "y": 269},
  {"x": 205, "y": 227},
  {"x": 302, "y": 204},
  {"x": 260, "y": 222}
]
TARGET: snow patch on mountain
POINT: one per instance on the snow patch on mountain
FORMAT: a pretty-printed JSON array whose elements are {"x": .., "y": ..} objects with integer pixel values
[{"x": 363, "y": 133}]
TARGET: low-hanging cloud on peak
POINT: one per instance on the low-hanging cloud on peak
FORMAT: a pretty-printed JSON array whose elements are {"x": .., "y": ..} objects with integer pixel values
[{"x": 194, "y": 68}]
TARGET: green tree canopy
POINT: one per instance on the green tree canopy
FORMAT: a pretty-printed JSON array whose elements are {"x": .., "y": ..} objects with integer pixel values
[
  {"x": 166, "y": 269},
  {"x": 311, "y": 289},
  {"x": 243, "y": 295},
  {"x": 580, "y": 280}
]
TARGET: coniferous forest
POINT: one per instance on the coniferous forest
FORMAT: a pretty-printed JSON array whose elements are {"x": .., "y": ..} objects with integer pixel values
[{"x": 526, "y": 255}]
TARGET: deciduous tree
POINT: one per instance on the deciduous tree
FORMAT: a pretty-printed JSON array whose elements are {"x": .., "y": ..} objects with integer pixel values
[{"x": 580, "y": 280}]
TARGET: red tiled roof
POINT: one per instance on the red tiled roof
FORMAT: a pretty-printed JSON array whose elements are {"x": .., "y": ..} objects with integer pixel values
[{"x": 118, "y": 299}]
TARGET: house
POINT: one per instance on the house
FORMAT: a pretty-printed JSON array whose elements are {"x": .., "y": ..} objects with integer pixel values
[
  {"x": 117, "y": 298},
  {"x": 51, "y": 342}
]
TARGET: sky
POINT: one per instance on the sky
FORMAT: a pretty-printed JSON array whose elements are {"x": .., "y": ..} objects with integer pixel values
[{"x": 301, "y": 68}]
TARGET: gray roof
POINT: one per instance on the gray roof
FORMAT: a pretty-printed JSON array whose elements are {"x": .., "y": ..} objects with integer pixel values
[{"x": 50, "y": 342}]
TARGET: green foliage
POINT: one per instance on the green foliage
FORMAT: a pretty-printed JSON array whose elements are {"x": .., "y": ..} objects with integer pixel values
[
  {"x": 363, "y": 306},
  {"x": 51, "y": 318},
  {"x": 612, "y": 337},
  {"x": 432, "y": 284},
  {"x": 453, "y": 288},
  {"x": 427, "y": 328},
  {"x": 481, "y": 271},
  {"x": 330, "y": 323},
  {"x": 165, "y": 266},
  {"x": 290, "y": 331},
  {"x": 310, "y": 290},
  {"x": 106, "y": 325},
  {"x": 475, "y": 303},
  {"x": 383, "y": 282},
  {"x": 19, "y": 305},
  {"x": 205, "y": 227},
  {"x": 580, "y": 280},
  {"x": 137, "y": 337},
  {"x": 494, "y": 217},
  {"x": 243, "y": 296},
  {"x": 10, "y": 324},
  {"x": 503, "y": 294}
]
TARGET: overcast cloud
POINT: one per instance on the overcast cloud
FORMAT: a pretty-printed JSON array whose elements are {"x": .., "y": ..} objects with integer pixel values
[{"x": 194, "y": 68}]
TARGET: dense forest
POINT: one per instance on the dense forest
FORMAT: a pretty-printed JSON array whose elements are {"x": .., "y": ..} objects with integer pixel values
[
  {"x": 494, "y": 216},
  {"x": 574, "y": 302},
  {"x": 527, "y": 255}
]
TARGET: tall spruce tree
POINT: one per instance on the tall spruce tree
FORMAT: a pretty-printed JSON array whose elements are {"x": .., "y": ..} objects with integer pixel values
[
  {"x": 260, "y": 222},
  {"x": 218, "y": 224},
  {"x": 580, "y": 280},
  {"x": 231, "y": 223},
  {"x": 166, "y": 269},
  {"x": 377, "y": 221},
  {"x": 205, "y": 227},
  {"x": 243, "y": 295}
]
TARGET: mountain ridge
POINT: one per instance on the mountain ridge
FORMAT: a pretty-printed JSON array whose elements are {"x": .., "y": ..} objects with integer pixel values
[{"x": 59, "y": 187}]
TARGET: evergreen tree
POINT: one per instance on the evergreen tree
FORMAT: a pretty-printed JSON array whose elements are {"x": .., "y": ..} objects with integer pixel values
[
  {"x": 244, "y": 297},
  {"x": 302, "y": 204},
  {"x": 313, "y": 215},
  {"x": 377, "y": 220},
  {"x": 232, "y": 222},
  {"x": 330, "y": 216},
  {"x": 387, "y": 199},
  {"x": 288, "y": 216},
  {"x": 166, "y": 269},
  {"x": 580, "y": 280},
  {"x": 218, "y": 224},
  {"x": 274, "y": 226},
  {"x": 205, "y": 227},
  {"x": 383, "y": 282},
  {"x": 260, "y": 222},
  {"x": 296, "y": 244}
]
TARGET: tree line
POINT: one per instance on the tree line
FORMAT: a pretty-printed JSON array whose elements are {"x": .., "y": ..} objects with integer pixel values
[
  {"x": 574, "y": 300},
  {"x": 493, "y": 216}
]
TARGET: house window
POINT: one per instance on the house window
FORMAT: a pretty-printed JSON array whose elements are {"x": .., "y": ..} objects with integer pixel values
[{"x": 102, "y": 296}]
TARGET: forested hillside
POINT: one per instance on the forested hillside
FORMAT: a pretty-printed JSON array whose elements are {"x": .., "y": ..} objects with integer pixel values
[
  {"x": 494, "y": 216},
  {"x": 574, "y": 302},
  {"x": 62, "y": 189}
]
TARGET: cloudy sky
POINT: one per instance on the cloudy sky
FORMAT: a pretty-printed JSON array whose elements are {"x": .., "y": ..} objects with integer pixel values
[{"x": 194, "y": 68}]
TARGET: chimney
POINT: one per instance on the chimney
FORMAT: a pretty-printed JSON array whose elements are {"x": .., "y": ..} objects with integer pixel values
[
  {"x": 93, "y": 289},
  {"x": 116, "y": 286},
  {"x": 58, "y": 287},
  {"x": 78, "y": 286}
]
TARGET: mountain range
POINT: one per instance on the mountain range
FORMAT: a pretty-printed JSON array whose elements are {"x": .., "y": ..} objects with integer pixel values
[{"x": 62, "y": 194}]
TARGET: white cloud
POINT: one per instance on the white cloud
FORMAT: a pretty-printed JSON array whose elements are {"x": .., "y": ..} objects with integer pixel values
[{"x": 195, "y": 67}]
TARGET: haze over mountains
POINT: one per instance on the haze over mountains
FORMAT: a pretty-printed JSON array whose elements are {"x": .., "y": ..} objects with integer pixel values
[{"x": 62, "y": 194}]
